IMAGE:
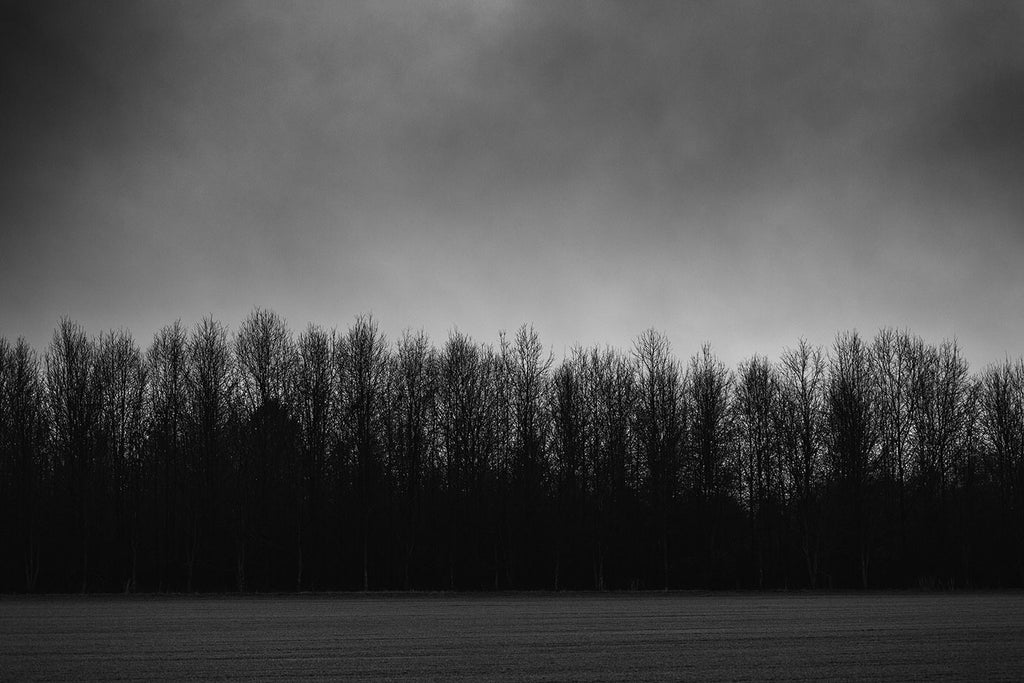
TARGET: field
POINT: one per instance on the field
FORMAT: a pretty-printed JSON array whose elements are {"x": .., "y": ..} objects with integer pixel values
[{"x": 895, "y": 636}]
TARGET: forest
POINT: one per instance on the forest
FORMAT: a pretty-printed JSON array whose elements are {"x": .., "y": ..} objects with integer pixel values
[{"x": 265, "y": 460}]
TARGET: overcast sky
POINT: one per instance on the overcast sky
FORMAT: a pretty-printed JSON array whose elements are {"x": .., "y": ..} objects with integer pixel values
[{"x": 735, "y": 172}]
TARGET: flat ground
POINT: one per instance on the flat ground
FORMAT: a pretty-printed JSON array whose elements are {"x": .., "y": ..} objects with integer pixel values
[{"x": 895, "y": 636}]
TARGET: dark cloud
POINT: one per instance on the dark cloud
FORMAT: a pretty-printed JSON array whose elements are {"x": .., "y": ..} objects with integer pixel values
[{"x": 739, "y": 171}]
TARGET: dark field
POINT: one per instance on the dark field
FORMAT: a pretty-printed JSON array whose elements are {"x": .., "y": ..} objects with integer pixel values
[{"x": 894, "y": 636}]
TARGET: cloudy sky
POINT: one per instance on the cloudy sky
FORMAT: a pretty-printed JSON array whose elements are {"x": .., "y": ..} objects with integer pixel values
[{"x": 736, "y": 172}]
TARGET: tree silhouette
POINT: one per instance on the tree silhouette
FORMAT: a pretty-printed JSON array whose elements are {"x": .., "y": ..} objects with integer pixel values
[
  {"x": 803, "y": 433},
  {"x": 168, "y": 482},
  {"x": 213, "y": 425},
  {"x": 362, "y": 361},
  {"x": 852, "y": 405},
  {"x": 660, "y": 430},
  {"x": 763, "y": 474},
  {"x": 265, "y": 461},
  {"x": 25, "y": 470},
  {"x": 259, "y": 461}
]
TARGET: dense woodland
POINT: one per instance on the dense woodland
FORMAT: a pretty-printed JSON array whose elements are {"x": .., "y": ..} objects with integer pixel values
[{"x": 263, "y": 460}]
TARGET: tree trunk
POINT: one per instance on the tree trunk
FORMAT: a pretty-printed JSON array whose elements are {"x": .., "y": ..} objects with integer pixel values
[
  {"x": 240, "y": 567},
  {"x": 366, "y": 570},
  {"x": 31, "y": 565}
]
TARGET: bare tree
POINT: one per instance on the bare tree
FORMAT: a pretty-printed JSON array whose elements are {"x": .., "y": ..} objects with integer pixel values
[
  {"x": 415, "y": 386},
  {"x": 612, "y": 391},
  {"x": 362, "y": 361},
  {"x": 661, "y": 429},
  {"x": 529, "y": 376},
  {"x": 802, "y": 413},
  {"x": 852, "y": 402},
  {"x": 527, "y": 372},
  {"x": 941, "y": 413},
  {"x": 264, "y": 360},
  {"x": 709, "y": 392},
  {"x": 122, "y": 374},
  {"x": 1002, "y": 417},
  {"x": 572, "y": 420},
  {"x": 895, "y": 363},
  {"x": 711, "y": 468},
  {"x": 762, "y": 472},
  {"x": 265, "y": 356},
  {"x": 73, "y": 398},
  {"x": 24, "y": 468},
  {"x": 465, "y": 414},
  {"x": 1002, "y": 427},
  {"x": 316, "y": 389},
  {"x": 212, "y": 407},
  {"x": 167, "y": 363}
]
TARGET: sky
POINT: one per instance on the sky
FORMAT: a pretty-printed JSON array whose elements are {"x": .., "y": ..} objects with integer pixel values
[{"x": 739, "y": 173}]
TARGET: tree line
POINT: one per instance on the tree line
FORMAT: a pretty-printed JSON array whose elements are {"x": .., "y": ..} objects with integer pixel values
[{"x": 263, "y": 460}]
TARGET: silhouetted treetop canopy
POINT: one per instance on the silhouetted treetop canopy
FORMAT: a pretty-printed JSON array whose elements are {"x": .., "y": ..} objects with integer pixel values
[{"x": 268, "y": 459}]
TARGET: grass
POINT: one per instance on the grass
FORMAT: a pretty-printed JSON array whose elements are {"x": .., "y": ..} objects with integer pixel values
[{"x": 895, "y": 636}]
